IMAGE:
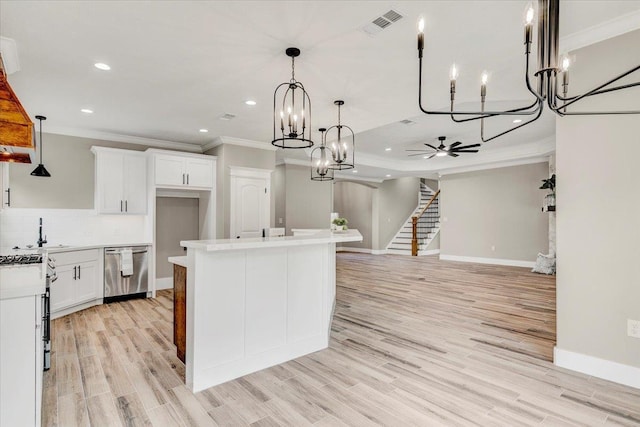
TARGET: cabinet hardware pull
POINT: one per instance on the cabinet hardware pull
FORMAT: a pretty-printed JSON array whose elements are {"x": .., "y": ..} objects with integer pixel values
[
  {"x": 126, "y": 206},
  {"x": 8, "y": 190},
  {"x": 120, "y": 205},
  {"x": 75, "y": 272},
  {"x": 187, "y": 179},
  {"x": 183, "y": 179},
  {"x": 78, "y": 272}
]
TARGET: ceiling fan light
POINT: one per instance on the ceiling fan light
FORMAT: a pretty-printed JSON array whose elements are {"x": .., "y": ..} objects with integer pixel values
[{"x": 441, "y": 153}]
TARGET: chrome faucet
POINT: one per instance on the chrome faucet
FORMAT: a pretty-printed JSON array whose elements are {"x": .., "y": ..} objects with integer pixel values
[{"x": 41, "y": 241}]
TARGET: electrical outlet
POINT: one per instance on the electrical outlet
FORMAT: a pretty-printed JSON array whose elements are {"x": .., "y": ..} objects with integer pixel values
[
  {"x": 279, "y": 220},
  {"x": 633, "y": 328}
]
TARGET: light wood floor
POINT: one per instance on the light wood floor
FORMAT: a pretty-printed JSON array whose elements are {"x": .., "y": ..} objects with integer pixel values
[{"x": 415, "y": 341}]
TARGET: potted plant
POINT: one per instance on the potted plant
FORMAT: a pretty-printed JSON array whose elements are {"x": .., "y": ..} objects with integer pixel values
[
  {"x": 550, "y": 199},
  {"x": 340, "y": 223}
]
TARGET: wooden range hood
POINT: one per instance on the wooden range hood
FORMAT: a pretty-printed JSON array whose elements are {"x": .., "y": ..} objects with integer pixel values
[{"x": 16, "y": 128}]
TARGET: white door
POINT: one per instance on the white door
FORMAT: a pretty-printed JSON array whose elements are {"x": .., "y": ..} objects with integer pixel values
[{"x": 250, "y": 207}]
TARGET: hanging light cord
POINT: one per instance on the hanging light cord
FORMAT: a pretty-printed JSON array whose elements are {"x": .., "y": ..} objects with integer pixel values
[
  {"x": 40, "y": 141},
  {"x": 293, "y": 69}
]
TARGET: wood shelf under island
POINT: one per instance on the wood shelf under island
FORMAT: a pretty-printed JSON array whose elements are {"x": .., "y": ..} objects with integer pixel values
[{"x": 255, "y": 303}]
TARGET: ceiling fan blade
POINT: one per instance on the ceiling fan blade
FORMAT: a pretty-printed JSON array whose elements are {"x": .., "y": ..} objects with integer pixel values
[
  {"x": 454, "y": 145},
  {"x": 452, "y": 154},
  {"x": 433, "y": 155},
  {"x": 466, "y": 151},
  {"x": 424, "y": 151},
  {"x": 430, "y": 146},
  {"x": 417, "y": 154},
  {"x": 467, "y": 146}
]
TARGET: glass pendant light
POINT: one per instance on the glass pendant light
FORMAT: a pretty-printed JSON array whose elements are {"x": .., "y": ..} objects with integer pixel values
[
  {"x": 320, "y": 159},
  {"x": 40, "y": 170},
  {"x": 343, "y": 145}
]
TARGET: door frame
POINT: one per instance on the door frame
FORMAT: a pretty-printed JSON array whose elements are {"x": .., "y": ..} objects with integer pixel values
[{"x": 236, "y": 172}]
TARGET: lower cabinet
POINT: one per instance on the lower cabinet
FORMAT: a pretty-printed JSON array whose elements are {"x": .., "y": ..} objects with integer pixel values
[
  {"x": 79, "y": 279},
  {"x": 21, "y": 349}
]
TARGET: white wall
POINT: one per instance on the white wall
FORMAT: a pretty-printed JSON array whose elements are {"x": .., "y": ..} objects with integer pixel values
[
  {"x": 308, "y": 204},
  {"x": 494, "y": 214},
  {"x": 598, "y": 217}
]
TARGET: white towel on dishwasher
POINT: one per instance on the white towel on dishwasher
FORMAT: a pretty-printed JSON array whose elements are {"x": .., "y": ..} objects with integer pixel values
[{"x": 126, "y": 262}]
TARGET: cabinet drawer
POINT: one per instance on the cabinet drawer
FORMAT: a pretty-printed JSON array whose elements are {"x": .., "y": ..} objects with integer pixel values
[{"x": 76, "y": 257}]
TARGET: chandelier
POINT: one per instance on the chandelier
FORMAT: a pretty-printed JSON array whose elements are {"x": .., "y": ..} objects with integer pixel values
[
  {"x": 320, "y": 170},
  {"x": 291, "y": 111},
  {"x": 545, "y": 86},
  {"x": 343, "y": 145}
]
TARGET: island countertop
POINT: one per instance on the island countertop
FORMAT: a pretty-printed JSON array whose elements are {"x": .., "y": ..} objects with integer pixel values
[{"x": 323, "y": 236}]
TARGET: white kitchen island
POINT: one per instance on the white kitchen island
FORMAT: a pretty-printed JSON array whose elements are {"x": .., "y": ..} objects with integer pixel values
[{"x": 254, "y": 303}]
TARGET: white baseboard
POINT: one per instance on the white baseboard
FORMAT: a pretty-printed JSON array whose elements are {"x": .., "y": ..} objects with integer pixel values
[
  {"x": 164, "y": 283},
  {"x": 596, "y": 367},
  {"x": 429, "y": 252},
  {"x": 361, "y": 250},
  {"x": 495, "y": 261}
]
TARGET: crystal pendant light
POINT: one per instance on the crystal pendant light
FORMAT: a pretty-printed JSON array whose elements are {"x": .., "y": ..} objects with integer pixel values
[
  {"x": 291, "y": 111},
  {"x": 320, "y": 159}
]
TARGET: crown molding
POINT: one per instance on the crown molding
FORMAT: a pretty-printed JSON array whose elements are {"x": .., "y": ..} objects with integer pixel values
[
  {"x": 114, "y": 137},
  {"x": 599, "y": 32},
  {"x": 494, "y": 165},
  {"x": 357, "y": 178},
  {"x": 296, "y": 162},
  {"x": 219, "y": 140}
]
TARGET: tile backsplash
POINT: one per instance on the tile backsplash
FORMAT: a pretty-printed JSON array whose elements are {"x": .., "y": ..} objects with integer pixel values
[{"x": 19, "y": 227}]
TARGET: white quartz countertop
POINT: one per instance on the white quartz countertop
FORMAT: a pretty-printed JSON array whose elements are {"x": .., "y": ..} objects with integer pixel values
[
  {"x": 178, "y": 260},
  {"x": 324, "y": 236},
  {"x": 22, "y": 280},
  {"x": 54, "y": 249}
]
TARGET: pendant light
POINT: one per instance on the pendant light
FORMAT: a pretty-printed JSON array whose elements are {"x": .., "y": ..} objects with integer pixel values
[
  {"x": 320, "y": 159},
  {"x": 343, "y": 146},
  {"x": 291, "y": 111},
  {"x": 40, "y": 170}
]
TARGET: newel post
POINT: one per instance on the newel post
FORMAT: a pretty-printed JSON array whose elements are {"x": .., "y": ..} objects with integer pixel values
[{"x": 414, "y": 236}]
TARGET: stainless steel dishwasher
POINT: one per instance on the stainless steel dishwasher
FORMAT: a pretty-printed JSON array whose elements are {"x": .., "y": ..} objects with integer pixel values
[{"x": 118, "y": 287}]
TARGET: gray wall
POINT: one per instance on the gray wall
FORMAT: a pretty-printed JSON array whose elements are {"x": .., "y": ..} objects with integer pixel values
[
  {"x": 71, "y": 163},
  {"x": 354, "y": 201},
  {"x": 397, "y": 199},
  {"x": 176, "y": 220},
  {"x": 234, "y": 155},
  {"x": 499, "y": 208},
  {"x": 598, "y": 217},
  {"x": 308, "y": 203},
  {"x": 279, "y": 193}
]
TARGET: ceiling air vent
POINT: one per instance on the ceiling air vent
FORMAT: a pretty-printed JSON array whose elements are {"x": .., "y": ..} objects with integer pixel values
[
  {"x": 227, "y": 116},
  {"x": 381, "y": 22}
]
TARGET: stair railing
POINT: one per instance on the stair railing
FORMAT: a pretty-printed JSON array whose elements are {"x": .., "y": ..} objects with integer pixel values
[{"x": 414, "y": 225}]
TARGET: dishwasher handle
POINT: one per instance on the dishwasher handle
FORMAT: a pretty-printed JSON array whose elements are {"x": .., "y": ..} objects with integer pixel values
[{"x": 118, "y": 251}]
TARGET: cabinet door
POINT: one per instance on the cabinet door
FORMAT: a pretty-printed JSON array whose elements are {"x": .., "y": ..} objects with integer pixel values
[
  {"x": 169, "y": 170},
  {"x": 110, "y": 180},
  {"x": 87, "y": 282},
  {"x": 135, "y": 184},
  {"x": 63, "y": 289},
  {"x": 199, "y": 172},
  {"x": 18, "y": 370}
]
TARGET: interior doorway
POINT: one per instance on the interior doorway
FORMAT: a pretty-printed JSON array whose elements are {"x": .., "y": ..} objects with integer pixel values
[{"x": 250, "y": 202}]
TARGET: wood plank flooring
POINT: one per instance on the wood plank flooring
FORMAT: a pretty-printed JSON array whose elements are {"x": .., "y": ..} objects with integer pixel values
[{"x": 415, "y": 342}]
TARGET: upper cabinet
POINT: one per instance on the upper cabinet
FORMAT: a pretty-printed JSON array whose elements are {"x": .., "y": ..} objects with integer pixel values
[
  {"x": 121, "y": 181},
  {"x": 183, "y": 170}
]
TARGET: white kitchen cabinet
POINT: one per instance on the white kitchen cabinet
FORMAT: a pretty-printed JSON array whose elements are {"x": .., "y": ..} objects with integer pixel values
[
  {"x": 121, "y": 181},
  {"x": 21, "y": 349},
  {"x": 79, "y": 279},
  {"x": 184, "y": 170}
]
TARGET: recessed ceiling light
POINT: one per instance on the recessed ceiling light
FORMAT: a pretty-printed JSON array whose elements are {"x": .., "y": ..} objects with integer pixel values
[
  {"x": 355, "y": 171},
  {"x": 250, "y": 102},
  {"x": 204, "y": 130},
  {"x": 388, "y": 176},
  {"x": 387, "y": 149},
  {"x": 517, "y": 121},
  {"x": 102, "y": 66},
  {"x": 87, "y": 111}
]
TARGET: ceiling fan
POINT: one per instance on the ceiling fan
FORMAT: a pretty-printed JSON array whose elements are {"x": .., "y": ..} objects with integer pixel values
[{"x": 442, "y": 150}]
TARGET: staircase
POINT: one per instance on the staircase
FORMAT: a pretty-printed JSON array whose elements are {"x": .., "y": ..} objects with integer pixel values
[{"x": 428, "y": 226}]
